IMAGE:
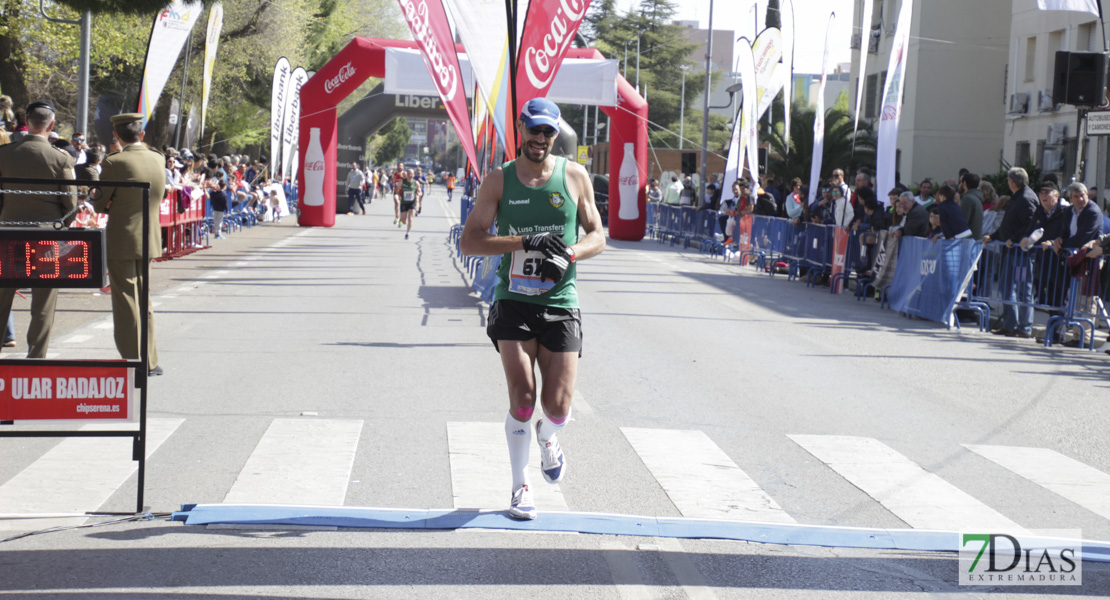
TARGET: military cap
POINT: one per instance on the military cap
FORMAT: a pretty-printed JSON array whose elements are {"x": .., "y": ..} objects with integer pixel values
[
  {"x": 48, "y": 105},
  {"x": 125, "y": 118}
]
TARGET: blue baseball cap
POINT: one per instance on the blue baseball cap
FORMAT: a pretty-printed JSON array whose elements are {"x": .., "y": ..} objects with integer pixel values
[{"x": 540, "y": 111}]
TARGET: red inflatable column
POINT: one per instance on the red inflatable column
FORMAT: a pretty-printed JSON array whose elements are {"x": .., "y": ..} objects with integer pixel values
[
  {"x": 316, "y": 173},
  {"x": 628, "y": 172}
]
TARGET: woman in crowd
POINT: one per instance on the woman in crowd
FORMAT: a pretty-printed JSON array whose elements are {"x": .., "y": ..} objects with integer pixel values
[
  {"x": 795, "y": 200},
  {"x": 990, "y": 196},
  {"x": 992, "y": 218}
]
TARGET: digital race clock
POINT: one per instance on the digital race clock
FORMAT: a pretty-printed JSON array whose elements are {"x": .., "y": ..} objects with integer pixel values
[{"x": 49, "y": 258}]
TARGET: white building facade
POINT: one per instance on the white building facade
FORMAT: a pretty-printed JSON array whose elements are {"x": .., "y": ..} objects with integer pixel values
[
  {"x": 955, "y": 99},
  {"x": 1039, "y": 130}
]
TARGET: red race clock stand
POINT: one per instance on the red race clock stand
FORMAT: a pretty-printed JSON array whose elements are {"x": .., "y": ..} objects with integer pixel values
[{"x": 71, "y": 392}]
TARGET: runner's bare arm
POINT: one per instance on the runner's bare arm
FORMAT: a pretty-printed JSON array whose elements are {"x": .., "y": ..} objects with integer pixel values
[
  {"x": 594, "y": 241},
  {"x": 476, "y": 238}
]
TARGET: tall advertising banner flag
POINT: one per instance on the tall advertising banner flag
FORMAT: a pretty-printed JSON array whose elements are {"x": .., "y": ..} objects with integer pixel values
[
  {"x": 786, "y": 14},
  {"x": 744, "y": 131},
  {"x": 171, "y": 30},
  {"x": 211, "y": 42},
  {"x": 282, "y": 71},
  {"x": 291, "y": 119},
  {"x": 819, "y": 119},
  {"x": 1087, "y": 6},
  {"x": 549, "y": 30},
  {"x": 767, "y": 51},
  {"x": 890, "y": 113},
  {"x": 864, "y": 46},
  {"x": 488, "y": 50},
  {"x": 427, "y": 19}
]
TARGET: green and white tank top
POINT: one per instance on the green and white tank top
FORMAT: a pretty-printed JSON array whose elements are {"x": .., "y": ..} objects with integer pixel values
[{"x": 527, "y": 211}]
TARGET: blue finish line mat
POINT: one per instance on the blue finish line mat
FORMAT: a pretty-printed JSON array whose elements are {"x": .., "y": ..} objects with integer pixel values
[{"x": 583, "y": 522}]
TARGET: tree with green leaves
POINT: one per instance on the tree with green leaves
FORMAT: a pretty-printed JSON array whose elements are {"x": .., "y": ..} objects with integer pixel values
[
  {"x": 391, "y": 141},
  {"x": 837, "y": 152},
  {"x": 774, "y": 17}
]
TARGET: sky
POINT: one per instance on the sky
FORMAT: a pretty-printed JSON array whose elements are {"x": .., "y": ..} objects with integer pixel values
[{"x": 810, "y": 16}]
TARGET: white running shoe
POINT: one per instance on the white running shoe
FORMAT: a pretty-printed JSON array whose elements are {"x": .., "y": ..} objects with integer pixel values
[
  {"x": 521, "y": 507},
  {"x": 552, "y": 462}
]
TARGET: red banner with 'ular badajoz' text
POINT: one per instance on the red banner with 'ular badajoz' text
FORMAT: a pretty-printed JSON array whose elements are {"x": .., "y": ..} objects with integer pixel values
[
  {"x": 548, "y": 32},
  {"x": 427, "y": 20}
]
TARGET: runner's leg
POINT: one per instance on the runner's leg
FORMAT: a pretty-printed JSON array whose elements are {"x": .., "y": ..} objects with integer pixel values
[{"x": 517, "y": 359}]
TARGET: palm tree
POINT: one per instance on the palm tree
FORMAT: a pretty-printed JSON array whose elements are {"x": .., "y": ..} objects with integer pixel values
[{"x": 838, "y": 144}]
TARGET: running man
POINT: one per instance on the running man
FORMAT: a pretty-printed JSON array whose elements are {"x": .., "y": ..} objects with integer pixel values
[
  {"x": 421, "y": 185},
  {"x": 450, "y": 185},
  {"x": 398, "y": 177},
  {"x": 408, "y": 193},
  {"x": 538, "y": 202}
]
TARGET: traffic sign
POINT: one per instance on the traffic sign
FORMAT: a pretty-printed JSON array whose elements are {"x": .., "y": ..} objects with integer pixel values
[{"x": 1098, "y": 122}]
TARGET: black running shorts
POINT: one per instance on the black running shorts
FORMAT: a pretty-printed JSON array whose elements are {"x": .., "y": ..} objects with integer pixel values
[
  {"x": 557, "y": 329},
  {"x": 407, "y": 206}
]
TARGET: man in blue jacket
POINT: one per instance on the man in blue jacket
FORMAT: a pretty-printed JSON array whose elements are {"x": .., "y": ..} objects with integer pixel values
[
  {"x": 1084, "y": 220},
  {"x": 1015, "y": 271}
]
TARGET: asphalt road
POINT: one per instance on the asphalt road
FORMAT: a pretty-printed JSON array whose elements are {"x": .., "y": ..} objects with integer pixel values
[{"x": 348, "y": 366}]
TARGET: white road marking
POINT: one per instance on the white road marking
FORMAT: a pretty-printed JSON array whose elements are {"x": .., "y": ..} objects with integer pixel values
[
  {"x": 480, "y": 473},
  {"x": 700, "y": 479},
  {"x": 921, "y": 499},
  {"x": 76, "y": 476},
  {"x": 299, "y": 461},
  {"x": 104, "y": 325},
  {"x": 77, "y": 339},
  {"x": 626, "y": 575},
  {"x": 1082, "y": 484},
  {"x": 579, "y": 405},
  {"x": 686, "y": 573}
]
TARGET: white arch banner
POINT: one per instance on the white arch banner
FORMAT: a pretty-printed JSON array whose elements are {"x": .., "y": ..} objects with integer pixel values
[{"x": 579, "y": 81}]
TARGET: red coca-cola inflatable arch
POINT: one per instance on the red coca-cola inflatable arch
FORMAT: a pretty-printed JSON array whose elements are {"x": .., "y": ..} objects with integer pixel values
[{"x": 365, "y": 57}]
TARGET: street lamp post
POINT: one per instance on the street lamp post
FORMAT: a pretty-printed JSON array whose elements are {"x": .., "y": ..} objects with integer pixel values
[
  {"x": 705, "y": 108},
  {"x": 682, "y": 108}
]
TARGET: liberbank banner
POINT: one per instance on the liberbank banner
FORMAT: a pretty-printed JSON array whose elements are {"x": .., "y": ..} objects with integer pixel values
[{"x": 171, "y": 30}]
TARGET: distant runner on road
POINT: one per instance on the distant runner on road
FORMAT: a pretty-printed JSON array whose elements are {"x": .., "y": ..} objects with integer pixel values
[{"x": 538, "y": 201}]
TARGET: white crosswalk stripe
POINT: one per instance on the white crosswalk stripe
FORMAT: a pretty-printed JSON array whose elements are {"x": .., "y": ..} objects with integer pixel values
[
  {"x": 921, "y": 499},
  {"x": 1084, "y": 485},
  {"x": 480, "y": 473},
  {"x": 700, "y": 479},
  {"x": 76, "y": 476},
  {"x": 310, "y": 461},
  {"x": 299, "y": 461}
]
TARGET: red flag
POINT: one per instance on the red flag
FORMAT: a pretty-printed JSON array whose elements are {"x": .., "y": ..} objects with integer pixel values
[
  {"x": 549, "y": 30},
  {"x": 427, "y": 20}
]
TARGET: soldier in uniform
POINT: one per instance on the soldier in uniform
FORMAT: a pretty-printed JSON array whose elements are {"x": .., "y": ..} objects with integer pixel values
[
  {"x": 34, "y": 157},
  {"x": 136, "y": 162}
]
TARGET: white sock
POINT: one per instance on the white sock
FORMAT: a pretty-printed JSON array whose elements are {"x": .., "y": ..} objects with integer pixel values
[
  {"x": 519, "y": 437},
  {"x": 549, "y": 428}
]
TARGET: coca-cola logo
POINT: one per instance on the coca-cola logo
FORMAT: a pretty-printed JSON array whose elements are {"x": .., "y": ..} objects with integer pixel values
[
  {"x": 539, "y": 62},
  {"x": 344, "y": 74},
  {"x": 629, "y": 180},
  {"x": 444, "y": 74},
  {"x": 315, "y": 165}
]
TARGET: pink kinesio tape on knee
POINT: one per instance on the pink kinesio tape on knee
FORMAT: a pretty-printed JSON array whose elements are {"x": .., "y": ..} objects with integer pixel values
[
  {"x": 524, "y": 414},
  {"x": 556, "y": 420}
]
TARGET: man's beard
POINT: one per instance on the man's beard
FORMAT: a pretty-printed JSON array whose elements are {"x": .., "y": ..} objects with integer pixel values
[{"x": 543, "y": 154}]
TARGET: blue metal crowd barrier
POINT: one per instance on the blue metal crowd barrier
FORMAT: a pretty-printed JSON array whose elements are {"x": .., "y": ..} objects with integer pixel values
[
  {"x": 684, "y": 225},
  {"x": 1022, "y": 281}
]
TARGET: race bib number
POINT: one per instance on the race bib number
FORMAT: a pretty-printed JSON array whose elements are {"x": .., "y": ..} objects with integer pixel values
[
  {"x": 408, "y": 196},
  {"x": 524, "y": 274}
]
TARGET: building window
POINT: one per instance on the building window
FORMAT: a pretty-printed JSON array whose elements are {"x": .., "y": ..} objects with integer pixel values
[
  {"x": 1055, "y": 43},
  {"x": 1030, "y": 58},
  {"x": 1021, "y": 154},
  {"x": 1040, "y": 155},
  {"x": 870, "y": 94}
]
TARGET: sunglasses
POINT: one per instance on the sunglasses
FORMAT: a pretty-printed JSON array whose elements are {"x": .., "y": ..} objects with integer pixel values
[{"x": 547, "y": 132}]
